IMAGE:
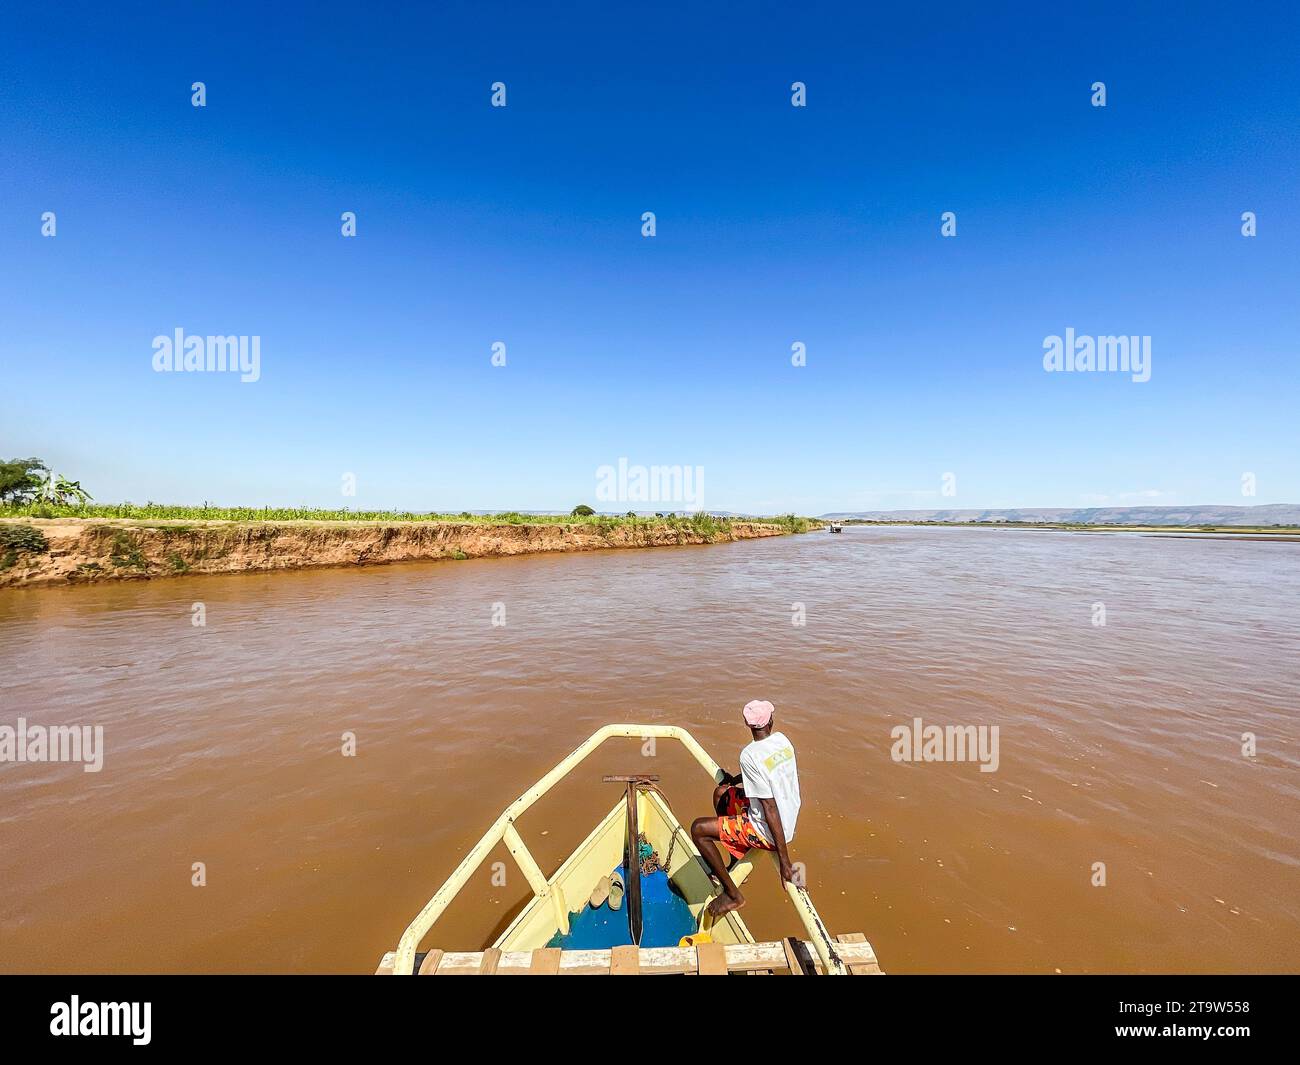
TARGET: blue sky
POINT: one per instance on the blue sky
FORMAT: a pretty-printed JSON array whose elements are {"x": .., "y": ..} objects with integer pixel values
[{"x": 775, "y": 224}]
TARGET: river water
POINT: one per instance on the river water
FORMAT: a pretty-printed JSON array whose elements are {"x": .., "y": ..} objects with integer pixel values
[{"x": 1119, "y": 744}]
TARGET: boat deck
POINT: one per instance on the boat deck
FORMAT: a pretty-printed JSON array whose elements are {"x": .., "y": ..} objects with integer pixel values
[{"x": 795, "y": 956}]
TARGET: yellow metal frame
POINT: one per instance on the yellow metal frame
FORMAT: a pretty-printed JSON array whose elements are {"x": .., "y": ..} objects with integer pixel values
[{"x": 503, "y": 830}]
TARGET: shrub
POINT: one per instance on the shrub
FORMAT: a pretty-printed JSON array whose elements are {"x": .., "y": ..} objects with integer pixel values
[
  {"x": 23, "y": 538},
  {"x": 19, "y": 539},
  {"x": 126, "y": 553}
]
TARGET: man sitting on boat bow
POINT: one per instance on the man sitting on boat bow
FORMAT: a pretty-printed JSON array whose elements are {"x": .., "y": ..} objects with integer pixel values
[{"x": 756, "y": 809}]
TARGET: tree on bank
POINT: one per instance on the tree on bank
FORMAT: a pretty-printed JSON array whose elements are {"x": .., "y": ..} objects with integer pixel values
[
  {"x": 20, "y": 479},
  {"x": 581, "y": 511},
  {"x": 21, "y": 482}
]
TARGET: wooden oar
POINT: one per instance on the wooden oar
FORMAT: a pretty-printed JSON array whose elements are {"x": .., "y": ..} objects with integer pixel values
[{"x": 632, "y": 853}]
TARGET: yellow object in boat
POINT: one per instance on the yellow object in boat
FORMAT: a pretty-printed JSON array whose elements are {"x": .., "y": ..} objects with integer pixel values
[{"x": 695, "y": 940}]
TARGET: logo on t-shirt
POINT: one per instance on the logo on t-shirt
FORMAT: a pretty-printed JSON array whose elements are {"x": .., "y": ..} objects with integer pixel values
[{"x": 774, "y": 760}]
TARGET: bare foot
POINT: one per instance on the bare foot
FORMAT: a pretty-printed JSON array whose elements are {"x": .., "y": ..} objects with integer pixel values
[{"x": 724, "y": 904}]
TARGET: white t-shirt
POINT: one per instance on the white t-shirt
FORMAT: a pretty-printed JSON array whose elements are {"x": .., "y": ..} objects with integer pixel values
[{"x": 767, "y": 771}]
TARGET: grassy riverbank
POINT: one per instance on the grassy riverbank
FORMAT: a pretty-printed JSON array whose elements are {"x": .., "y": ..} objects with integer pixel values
[
  {"x": 44, "y": 544},
  {"x": 700, "y": 522}
]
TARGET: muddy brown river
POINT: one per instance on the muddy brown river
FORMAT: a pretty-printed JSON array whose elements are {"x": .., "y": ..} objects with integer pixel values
[{"x": 1118, "y": 743}]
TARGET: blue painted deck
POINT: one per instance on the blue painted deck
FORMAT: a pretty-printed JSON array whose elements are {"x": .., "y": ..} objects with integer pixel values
[{"x": 665, "y": 918}]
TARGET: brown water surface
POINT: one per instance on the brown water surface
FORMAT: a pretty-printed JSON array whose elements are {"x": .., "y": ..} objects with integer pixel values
[{"x": 1119, "y": 744}]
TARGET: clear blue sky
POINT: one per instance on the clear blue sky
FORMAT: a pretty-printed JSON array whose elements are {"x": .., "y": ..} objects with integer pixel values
[{"x": 775, "y": 224}]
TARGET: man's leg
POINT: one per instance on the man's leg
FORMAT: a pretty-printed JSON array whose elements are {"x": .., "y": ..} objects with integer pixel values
[{"x": 704, "y": 831}]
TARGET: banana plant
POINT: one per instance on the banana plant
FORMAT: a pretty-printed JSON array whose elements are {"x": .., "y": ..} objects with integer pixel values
[{"x": 58, "y": 490}]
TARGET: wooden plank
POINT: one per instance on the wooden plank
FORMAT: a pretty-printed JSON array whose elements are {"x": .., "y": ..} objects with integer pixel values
[
  {"x": 741, "y": 957},
  {"x": 711, "y": 959},
  {"x": 546, "y": 961},
  {"x": 430, "y": 964},
  {"x": 491, "y": 960},
  {"x": 625, "y": 961},
  {"x": 860, "y": 968},
  {"x": 792, "y": 960}
]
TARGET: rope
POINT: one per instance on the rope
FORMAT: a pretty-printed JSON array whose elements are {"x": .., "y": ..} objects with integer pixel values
[{"x": 647, "y": 785}]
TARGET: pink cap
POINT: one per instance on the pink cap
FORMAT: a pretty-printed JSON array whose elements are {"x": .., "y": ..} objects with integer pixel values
[{"x": 758, "y": 712}]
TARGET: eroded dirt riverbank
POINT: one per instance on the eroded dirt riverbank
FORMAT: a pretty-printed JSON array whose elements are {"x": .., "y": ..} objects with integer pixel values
[{"x": 84, "y": 550}]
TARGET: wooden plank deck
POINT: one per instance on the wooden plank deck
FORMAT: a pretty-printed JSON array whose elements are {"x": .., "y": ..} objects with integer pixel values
[
  {"x": 788, "y": 955},
  {"x": 858, "y": 968},
  {"x": 711, "y": 959}
]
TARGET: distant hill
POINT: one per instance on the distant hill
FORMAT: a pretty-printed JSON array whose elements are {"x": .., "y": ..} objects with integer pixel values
[{"x": 1268, "y": 514}]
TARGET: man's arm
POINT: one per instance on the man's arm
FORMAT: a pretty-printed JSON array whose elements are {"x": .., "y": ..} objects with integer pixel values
[{"x": 773, "y": 815}]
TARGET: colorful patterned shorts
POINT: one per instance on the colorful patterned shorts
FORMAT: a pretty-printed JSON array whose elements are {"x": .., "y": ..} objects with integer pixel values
[{"x": 736, "y": 831}]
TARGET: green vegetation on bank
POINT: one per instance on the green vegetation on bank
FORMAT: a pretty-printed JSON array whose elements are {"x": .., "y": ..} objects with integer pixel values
[
  {"x": 21, "y": 482},
  {"x": 702, "y": 523},
  {"x": 25, "y": 493},
  {"x": 794, "y": 523},
  {"x": 20, "y": 539}
]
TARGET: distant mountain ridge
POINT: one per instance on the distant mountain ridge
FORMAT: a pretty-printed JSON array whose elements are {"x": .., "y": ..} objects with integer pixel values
[{"x": 1265, "y": 514}]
